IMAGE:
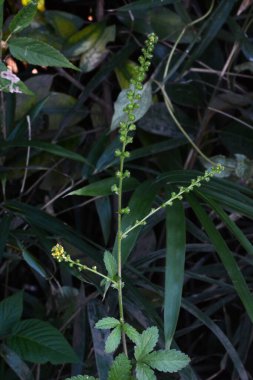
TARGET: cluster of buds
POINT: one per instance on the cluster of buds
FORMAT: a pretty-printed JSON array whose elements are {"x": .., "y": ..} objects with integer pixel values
[
  {"x": 196, "y": 182},
  {"x": 60, "y": 255},
  {"x": 134, "y": 96},
  {"x": 134, "y": 92}
]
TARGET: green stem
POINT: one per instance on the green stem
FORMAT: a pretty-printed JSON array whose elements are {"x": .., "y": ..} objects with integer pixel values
[
  {"x": 169, "y": 202},
  {"x": 119, "y": 256},
  {"x": 92, "y": 270}
]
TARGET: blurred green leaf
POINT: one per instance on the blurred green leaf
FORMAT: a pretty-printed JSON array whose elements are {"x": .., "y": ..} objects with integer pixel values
[
  {"x": 174, "y": 268},
  {"x": 140, "y": 204},
  {"x": 24, "y": 17},
  {"x": 145, "y": 4},
  {"x": 38, "y": 342},
  {"x": 104, "y": 187},
  {"x": 11, "y": 309},
  {"x": 230, "y": 350},
  {"x": 55, "y": 227},
  {"x": 210, "y": 28},
  {"x": 90, "y": 59},
  {"x": 41, "y": 145},
  {"x": 225, "y": 255},
  {"x": 96, "y": 311},
  {"x": 83, "y": 40},
  {"x": 34, "y": 263},
  {"x": 65, "y": 24},
  {"x": 104, "y": 210}
]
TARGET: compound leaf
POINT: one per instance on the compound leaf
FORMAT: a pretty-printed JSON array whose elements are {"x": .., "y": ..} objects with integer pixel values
[{"x": 167, "y": 360}]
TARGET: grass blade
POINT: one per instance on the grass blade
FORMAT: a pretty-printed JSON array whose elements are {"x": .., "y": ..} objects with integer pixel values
[
  {"x": 225, "y": 255},
  {"x": 174, "y": 270},
  {"x": 220, "y": 335}
]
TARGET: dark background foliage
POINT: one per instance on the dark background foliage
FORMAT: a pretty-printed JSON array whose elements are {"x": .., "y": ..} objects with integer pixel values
[{"x": 70, "y": 144}]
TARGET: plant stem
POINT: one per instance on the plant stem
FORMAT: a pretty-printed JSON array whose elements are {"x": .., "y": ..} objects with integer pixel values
[{"x": 119, "y": 256}]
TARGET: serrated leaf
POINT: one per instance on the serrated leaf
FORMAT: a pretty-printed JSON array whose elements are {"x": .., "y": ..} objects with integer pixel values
[
  {"x": 144, "y": 372},
  {"x": 167, "y": 360},
  {"x": 131, "y": 333},
  {"x": 110, "y": 264},
  {"x": 145, "y": 102},
  {"x": 147, "y": 342},
  {"x": 107, "y": 323},
  {"x": 37, "y": 53},
  {"x": 120, "y": 369},
  {"x": 39, "y": 342},
  {"x": 24, "y": 17},
  {"x": 11, "y": 309},
  {"x": 82, "y": 377},
  {"x": 113, "y": 340}
]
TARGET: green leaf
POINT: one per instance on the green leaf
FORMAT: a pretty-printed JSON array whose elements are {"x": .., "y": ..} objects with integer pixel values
[
  {"x": 37, "y": 53},
  {"x": 45, "y": 222},
  {"x": 11, "y": 310},
  {"x": 17, "y": 365},
  {"x": 140, "y": 204},
  {"x": 96, "y": 54},
  {"x": 174, "y": 268},
  {"x": 167, "y": 360},
  {"x": 110, "y": 264},
  {"x": 120, "y": 369},
  {"x": 96, "y": 310},
  {"x": 24, "y": 17},
  {"x": 225, "y": 255},
  {"x": 105, "y": 214},
  {"x": 212, "y": 26},
  {"x": 144, "y": 4},
  {"x": 38, "y": 342},
  {"x": 144, "y": 372},
  {"x": 236, "y": 231},
  {"x": 107, "y": 323},
  {"x": 146, "y": 343},
  {"x": 131, "y": 333},
  {"x": 34, "y": 263},
  {"x": 55, "y": 149},
  {"x": 65, "y": 24},
  {"x": 113, "y": 340},
  {"x": 145, "y": 102},
  {"x": 84, "y": 39},
  {"x": 104, "y": 187},
  {"x": 216, "y": 330}
]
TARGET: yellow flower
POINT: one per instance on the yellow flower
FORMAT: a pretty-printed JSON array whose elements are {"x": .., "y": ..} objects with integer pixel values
[
  {"x": 58, "y": 252},
  {"x": 41, "y": 4}
]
